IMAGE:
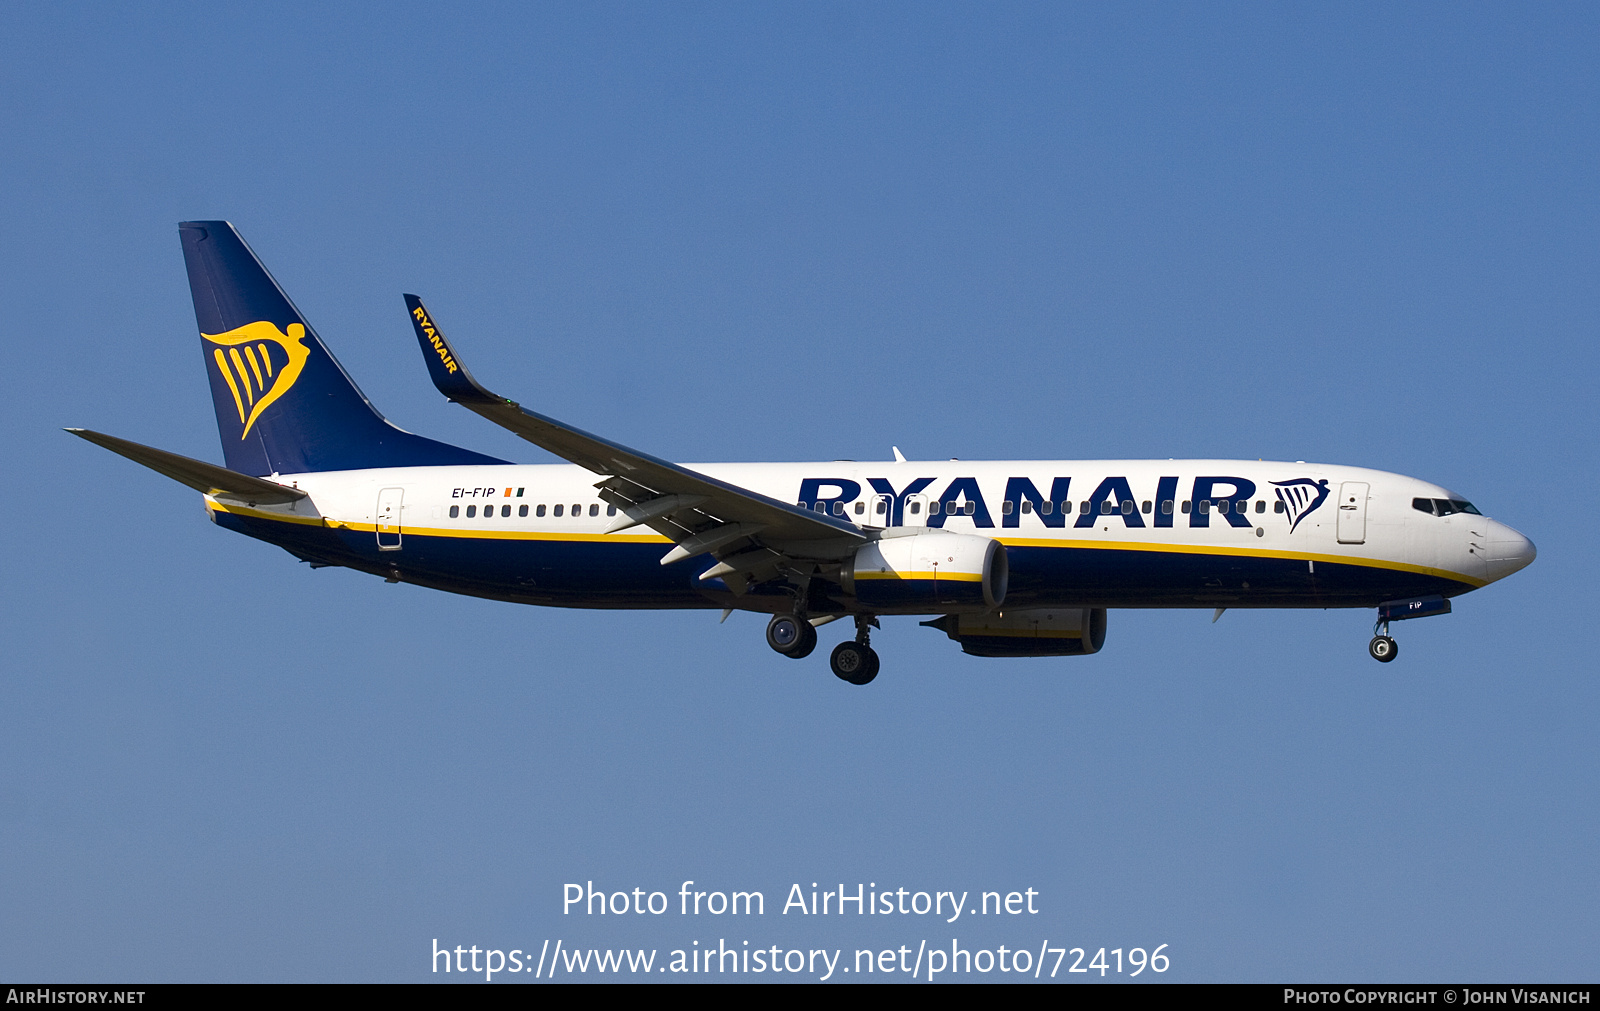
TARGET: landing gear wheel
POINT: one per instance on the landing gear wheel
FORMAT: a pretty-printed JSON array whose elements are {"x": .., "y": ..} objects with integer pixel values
[
  {"x": 791, "y": 636},
  {"x": 854, "y": 663},
  {"x": 1383, "y": 648},
  {"x": 810, "y": 632}
]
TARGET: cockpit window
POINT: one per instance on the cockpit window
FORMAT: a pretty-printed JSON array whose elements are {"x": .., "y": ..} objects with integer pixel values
[{"x": 1446, "y": 506}]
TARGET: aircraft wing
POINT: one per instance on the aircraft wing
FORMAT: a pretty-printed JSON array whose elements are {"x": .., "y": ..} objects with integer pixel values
[
  {"x": 699, "y": 512},
  {"x": 203, "y": 477}
]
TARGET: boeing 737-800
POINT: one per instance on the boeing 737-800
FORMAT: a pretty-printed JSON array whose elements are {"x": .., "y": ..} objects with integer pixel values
[{"x": 1010, "y": 559}]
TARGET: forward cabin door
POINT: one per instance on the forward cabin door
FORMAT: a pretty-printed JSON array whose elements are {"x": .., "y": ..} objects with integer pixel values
[
  {"x": 879, "y": 511},
  {"x": 1353, "y": 512},
  {"x": 389, "y": 518}
]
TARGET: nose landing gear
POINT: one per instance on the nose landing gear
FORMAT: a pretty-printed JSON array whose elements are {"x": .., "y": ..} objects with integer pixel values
[{"x": 1382, "y": 647}]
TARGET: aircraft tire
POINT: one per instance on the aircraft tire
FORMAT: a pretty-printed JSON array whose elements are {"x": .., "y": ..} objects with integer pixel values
[
  {"x": 809, "y": 641},
  {"x": 854, "y": 663},
  {"x": 1383, "y": 648},
  {"x": 866, "y": 676},
  {"x": 787, "y": 635}
]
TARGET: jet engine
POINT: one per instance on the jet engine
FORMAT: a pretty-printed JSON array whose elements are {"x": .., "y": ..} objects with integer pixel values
[
  {"x": 1044, "y": 631},
  {"x": 928, "y": 570}
]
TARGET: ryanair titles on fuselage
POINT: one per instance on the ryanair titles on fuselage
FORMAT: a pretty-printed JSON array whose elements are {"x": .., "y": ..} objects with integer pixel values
[{"x": 1112, "y": 498}]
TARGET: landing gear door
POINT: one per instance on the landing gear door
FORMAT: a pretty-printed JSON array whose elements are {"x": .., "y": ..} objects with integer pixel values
[
  {"x": 1353, "y": 512},
  {"x": 389, "y": 518}
]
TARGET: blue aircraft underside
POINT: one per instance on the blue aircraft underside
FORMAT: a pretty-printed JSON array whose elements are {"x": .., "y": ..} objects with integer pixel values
[{"x": 629, "y": 574}]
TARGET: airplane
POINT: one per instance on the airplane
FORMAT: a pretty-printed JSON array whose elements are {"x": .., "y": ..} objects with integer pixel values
[{"x": 1007, "y": 558}]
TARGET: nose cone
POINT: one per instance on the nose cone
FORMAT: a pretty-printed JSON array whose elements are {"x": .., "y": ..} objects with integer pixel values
[{"x": 1508, "y": 551}]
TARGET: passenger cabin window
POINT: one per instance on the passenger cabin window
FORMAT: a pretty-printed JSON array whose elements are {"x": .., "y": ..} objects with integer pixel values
[
  {"x": 611, "y": 510},
  {"x": 971, "y": 508},
  {"x": 1261, "y": 506},
  {"x": 838, "y": 508},
  {"x": 1127, "y": 506},
  {"x": 557, "y": 511},
  {"x": 1166, "y": 507},
  {"x": 933, "y": 508},
  {"x": 594, "y": 509},
  {"x": 577, "y": 509},
  {"x": 1185, "y": 505},
  {"x": 540, "y": 510},
  {"x": 1278, "y": 507},
  {"x": 472, "y": 511},
  {"x": 1146, "y": 507},
  {"x": 1005, "y": 508},
  {"x": 1083, "y": 507},
  {"x": 522, "y": 510},
  {"x": 455, "y": 511},
  {"x": 861, "y": 508},
  {"x": 916, "y": 507},
  {"x": 505, "y": 510}
]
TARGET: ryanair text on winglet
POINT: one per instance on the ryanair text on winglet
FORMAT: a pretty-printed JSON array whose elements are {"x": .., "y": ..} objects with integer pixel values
[{"x": 433, "y": 337}]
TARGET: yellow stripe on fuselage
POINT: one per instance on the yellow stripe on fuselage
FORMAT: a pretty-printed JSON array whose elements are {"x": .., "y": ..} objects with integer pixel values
[
  {"x": 1245, "y": 552},
  {"x": 1025, "y": 542},
  {"x": 496, "y": 535}
]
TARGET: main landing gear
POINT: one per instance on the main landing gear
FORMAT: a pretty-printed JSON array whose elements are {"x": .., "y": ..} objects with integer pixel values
[
  {"x": 854, "y": 661},
  {"x": 792, "y": 636}
]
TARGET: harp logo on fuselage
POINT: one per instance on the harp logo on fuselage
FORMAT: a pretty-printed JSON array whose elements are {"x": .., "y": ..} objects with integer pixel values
[
  {"x": 1301, "y": 497},
  {"x": 260, "y": 365}
]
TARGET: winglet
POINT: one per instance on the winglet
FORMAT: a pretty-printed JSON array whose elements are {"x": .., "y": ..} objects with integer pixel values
[{"x": 444, "y": 367}]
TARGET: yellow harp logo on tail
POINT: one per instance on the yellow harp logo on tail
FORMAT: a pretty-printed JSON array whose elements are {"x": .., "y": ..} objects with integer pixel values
[{"x": 255, "y": 375}]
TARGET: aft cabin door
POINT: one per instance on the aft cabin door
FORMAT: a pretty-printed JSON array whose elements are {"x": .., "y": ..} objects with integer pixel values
[
  {"x": 389, "y": 518},
  {"x": 1353, "y": 512}
]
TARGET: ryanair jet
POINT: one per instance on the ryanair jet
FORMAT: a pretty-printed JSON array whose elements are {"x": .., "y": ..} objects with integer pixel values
[{"x": 1010, "y": 559}]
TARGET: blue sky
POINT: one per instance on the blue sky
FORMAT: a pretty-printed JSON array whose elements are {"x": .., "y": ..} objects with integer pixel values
[{"x": 1364, "y": 235}]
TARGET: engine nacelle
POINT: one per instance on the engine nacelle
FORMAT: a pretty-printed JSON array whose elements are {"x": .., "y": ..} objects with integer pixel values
[
  {"x": 928, "y": 571},
  {"x": 1044, "y": 631}
]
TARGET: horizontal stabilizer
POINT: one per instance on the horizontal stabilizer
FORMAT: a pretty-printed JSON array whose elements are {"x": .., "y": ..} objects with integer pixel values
[{"x": 199, "y": 475}]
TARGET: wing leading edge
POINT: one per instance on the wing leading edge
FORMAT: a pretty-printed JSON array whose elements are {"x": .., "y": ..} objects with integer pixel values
[{"x": 750, "y": 534}]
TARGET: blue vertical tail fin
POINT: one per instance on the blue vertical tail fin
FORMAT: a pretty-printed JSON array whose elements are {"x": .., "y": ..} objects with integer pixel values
[{"x": 284, "y": 404}]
